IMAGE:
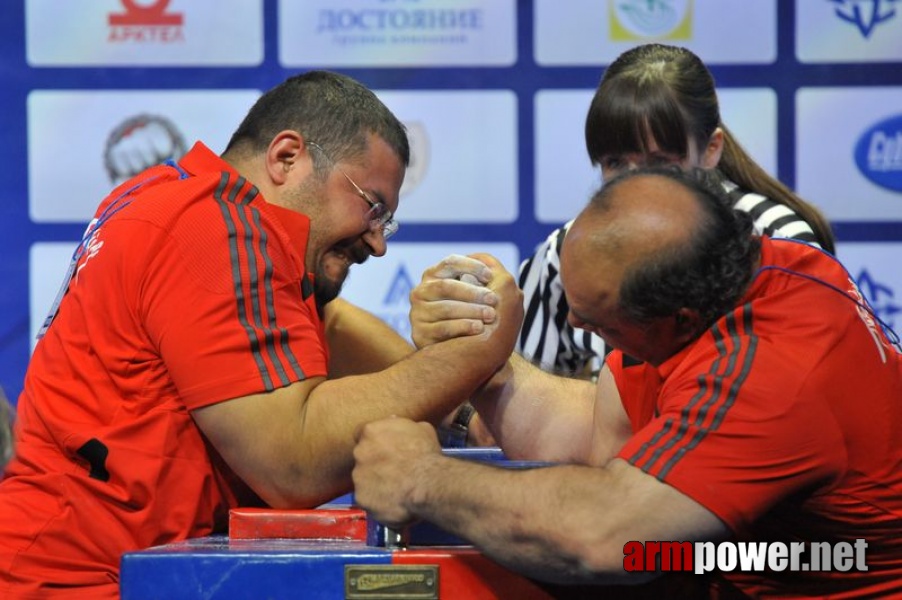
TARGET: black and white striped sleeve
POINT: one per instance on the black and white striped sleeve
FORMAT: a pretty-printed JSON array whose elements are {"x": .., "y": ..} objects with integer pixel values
[
  {"x": 546, "y": 338},
  {"x": 771, "y": 218}
]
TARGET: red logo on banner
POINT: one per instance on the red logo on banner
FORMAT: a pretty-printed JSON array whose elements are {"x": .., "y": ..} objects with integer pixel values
[
  {"x": 136, "y": 14},
  {"x": 146, "y": 23}
]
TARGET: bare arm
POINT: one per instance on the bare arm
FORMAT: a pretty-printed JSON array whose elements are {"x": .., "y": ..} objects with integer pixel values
[
  {"x": 535, "y": 415},
  {"x": 293, "y": 445},
  {"x": 564, "y": 523},
  {"x": 530, "y": 413},
  {"x": 360, "y": 342},
  {"x": 539, "y": 416}
]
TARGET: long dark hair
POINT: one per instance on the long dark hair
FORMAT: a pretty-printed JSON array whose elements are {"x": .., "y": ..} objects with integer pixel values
[{"x": 666, "y": 93}]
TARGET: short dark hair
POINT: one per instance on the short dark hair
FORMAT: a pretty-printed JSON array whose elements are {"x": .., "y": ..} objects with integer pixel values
[
  {"x": 709, "y": 273},
  {"x": 333, "y": 110}
]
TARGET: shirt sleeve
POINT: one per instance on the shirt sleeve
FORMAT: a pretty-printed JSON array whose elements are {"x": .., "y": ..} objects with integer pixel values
[
  {"x": 229, "y": 309},
  {"x": 546, "y": 337},
  {"x": 770, "y": 217},
  {"x": 729, "y": 433}
]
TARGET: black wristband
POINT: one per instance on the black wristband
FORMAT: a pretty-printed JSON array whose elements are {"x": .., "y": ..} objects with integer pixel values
[{"x": 456, "y": 433}]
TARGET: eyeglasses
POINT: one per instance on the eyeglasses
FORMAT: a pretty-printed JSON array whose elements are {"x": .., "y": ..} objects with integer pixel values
[{"x": 378, "y": 217}]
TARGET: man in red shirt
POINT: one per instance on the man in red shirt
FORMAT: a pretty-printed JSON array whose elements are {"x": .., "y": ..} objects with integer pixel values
[
  {"x": 766, "y": 407},
  {"x": 185, "y": 371}
]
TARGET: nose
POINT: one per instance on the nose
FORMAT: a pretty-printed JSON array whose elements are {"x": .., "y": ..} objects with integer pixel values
[{"x": 375, "y": 241}]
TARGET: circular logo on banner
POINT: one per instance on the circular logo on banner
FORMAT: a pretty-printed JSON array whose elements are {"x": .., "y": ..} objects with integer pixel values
[
  {"x": 418, "y": 138},
  {"x": 636, "y": 19},
  {"x": 140, "y": 142},
  {"x": 878, "y": 153}
]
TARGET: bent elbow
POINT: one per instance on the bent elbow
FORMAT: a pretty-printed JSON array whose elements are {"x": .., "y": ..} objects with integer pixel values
[
  {"x": 301, "y": 492},
  {"x": 598, "y": 560}
]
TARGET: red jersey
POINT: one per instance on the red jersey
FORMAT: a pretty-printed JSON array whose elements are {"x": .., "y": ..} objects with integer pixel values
[
  {"x": 190, "y": 290},
  {"x": 784, "y": 420}
]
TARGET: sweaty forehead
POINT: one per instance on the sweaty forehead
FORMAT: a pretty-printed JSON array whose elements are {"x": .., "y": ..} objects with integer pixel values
[
  {"x": 589, "y": 266},
  {"x": 639, "y": 217},
  {"x": 648, "y": 206}
]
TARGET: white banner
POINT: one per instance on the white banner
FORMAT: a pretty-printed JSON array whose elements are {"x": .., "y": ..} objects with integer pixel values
[
  {"x": 107, "y": 136},
  {"x": 132, "y": 32},
  {"x": 397, "y": 33}
]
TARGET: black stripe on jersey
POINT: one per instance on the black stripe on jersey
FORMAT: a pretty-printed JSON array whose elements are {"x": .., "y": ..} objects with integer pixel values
[
  {"x": 723, "y": 400},
  {"x": 270, "y": 305},
  {"x": 257, "y": 253},
  {"x": 762, "y": 206},
  {"x": 532, "y": 307},
  {"x": 524, "y": 272},
  {"x": 306, "y": 287},
  {"x": 720, "y": 397},
  {"x": 236, "y": 279},
  {"x": 543, "y": 304},
  {"x": 559, "y": 242},
  {"x": 254, "y": 273},
  {"x": 735, "y": 195},
  {"x": 805, "y": 236},
  {"x": 562, "y": 358}
]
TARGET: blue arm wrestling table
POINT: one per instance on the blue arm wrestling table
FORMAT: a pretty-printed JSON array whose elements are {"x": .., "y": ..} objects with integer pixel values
[{"x": 335, "y": 551}]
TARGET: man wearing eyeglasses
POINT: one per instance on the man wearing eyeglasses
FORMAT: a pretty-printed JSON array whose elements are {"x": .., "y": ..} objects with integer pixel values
[{"x": 200, "y": 359}]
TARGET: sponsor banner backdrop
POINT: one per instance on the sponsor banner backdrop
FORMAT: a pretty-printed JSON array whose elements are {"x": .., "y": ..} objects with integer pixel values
[
  {"x": 565, "y": 179},
  {"x": 846, "y": 31},
  {"x": 494, "y": 94},
  {"x": 849, "y": 152},
  {"x": 875, "y": 269},
  {"x": 133, "y": 32},
  {"x": 47, "y": 266},
  {"x": 459, "y": 172},
  {"x": 597, "y": 31},
  {"x": 117, "y": 133},
  {"x": 399, "y": 33},
  {"x": 382, "y": 285}
]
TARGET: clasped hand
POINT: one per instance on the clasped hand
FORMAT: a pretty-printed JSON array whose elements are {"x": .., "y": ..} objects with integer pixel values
[{"x": 464, "y": 296}]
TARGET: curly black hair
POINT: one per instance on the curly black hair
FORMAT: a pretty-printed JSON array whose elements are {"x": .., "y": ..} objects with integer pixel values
[{"x": 709, "y": 274}]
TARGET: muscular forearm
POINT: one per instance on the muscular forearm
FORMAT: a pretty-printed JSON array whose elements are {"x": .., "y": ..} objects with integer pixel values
[
  {"x": 425, "y": 386},
  {"x": 550, "y": 522},
  {"x": 563, "y": 523},
  {"x": 535, "y": 415},
  {"x": 360, "y": 342}
]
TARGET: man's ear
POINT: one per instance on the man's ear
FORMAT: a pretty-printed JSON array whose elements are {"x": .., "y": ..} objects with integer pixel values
[{"x": 284, "y": 153}]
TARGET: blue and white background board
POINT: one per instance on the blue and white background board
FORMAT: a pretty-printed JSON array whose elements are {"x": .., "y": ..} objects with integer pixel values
[
  {"x": 849, "y": 151},
  {"x": 589, "y": 32},
  {"x": 75, "y": 156},
  {"x": 494, "y": 93},
  {"x": 875, "y": 268},
  {"x": 397, "y": 33},
  {"x": 127, "y": 33}
]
